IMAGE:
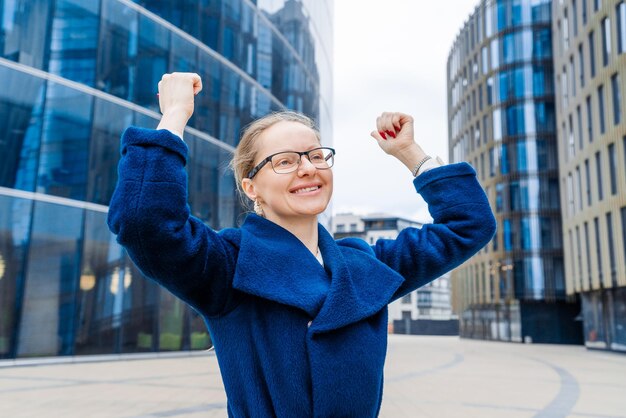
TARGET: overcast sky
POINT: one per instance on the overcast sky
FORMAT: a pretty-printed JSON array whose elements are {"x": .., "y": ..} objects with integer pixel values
[{"x": 389, "y": 56}]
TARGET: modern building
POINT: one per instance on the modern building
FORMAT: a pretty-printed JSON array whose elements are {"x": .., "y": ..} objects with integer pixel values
[
  {"x": 590, "y": 65},
  {"x": 502, "y": 120},
  {"x": 427, "y": 310},
  {"x": 73, "y": 75}
]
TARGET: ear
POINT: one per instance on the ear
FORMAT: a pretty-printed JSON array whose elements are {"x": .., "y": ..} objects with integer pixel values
[{"x": 248, "y": 188}]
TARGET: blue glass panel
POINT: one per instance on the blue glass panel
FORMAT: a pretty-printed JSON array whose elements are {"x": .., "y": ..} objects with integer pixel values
[
  {"x": 117, "y": 60},
  {"x": 152, "y": 61},
  {"x": 20, "y": 20},
  {"x": 15, "y": 216},
  {"x": 140, "y": 311},
  {"x": 73, "y": 50},
  {"x": 48, "y": 319},
  {"x": 102, "y": 276},
  {"x": 64, "y": 143},
  {"x": 506, "y": 235},
  {"x": 21, "y": 107},
  {"x": 109, "y": 121}
]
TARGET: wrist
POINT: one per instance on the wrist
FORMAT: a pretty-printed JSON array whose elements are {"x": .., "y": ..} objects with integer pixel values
[
  {"x": 410, "y": 156},
  {"x": 174, "y": 120}
]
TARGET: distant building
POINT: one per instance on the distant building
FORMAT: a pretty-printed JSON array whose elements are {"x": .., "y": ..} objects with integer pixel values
[
  {"x": 590, "y": 65},
  {"x": 501, "y": 119},
  {"x": 424, "y": 311}
]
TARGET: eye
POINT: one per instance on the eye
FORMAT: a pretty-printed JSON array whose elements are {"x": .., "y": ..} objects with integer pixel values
[
  {"x": 283, "y": 162},
  {"x": 316, "y": 156}
]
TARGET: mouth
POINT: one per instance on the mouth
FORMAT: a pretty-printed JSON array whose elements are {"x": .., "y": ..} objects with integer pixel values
[{"x": 306, "y": 190}]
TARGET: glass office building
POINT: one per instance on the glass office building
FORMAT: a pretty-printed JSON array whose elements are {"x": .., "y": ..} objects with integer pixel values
[
  {"x": 590, "y": 66},
  {"x": 502, "y": 120},
  {"x": 73, "y": 75}
]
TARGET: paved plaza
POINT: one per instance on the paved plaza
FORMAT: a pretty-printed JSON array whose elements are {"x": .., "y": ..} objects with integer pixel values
[{"x": 424, "y": 377}]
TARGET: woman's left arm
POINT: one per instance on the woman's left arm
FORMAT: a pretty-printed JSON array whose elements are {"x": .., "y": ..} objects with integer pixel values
[{"x": 463, "y": 221}]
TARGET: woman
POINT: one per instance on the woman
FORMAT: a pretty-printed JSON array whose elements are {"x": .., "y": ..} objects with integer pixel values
[{"x": 298, "y": 320}]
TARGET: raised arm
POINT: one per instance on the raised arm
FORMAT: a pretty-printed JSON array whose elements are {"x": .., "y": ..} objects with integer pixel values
[
  {"x": 463, "y": 222},
  {"x": 149, "y": 211}
]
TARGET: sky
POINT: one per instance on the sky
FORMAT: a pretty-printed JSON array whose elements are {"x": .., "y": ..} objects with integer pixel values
[{"x": 389, "y": 56}]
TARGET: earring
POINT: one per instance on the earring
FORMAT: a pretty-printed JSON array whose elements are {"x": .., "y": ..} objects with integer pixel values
[{"x": 258, "y": 209}]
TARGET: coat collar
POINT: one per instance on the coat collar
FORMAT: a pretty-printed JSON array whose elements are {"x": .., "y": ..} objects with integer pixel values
[{"x": 274, "y": 264}]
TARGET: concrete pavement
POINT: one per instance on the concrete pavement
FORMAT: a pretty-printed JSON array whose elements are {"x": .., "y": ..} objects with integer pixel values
[{"x": 424, "y": 377}]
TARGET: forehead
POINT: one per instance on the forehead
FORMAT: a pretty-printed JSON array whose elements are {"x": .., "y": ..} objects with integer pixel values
[{"x": 286, "y": 136}]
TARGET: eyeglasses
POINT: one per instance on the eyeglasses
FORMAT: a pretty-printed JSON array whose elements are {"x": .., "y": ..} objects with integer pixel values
[{"x": 289, "y": 161}]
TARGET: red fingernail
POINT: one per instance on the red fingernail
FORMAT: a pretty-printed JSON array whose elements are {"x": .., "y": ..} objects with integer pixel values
[
  {"x": 157, "y": 94},
  {"x": 391, "y": 133},
  {"x": 382, "y": 134}
]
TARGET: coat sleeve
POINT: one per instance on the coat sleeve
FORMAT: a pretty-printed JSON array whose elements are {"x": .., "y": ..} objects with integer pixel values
[
  {"x": 463, "y": 223},
  {"x": 151, "y": 218}
]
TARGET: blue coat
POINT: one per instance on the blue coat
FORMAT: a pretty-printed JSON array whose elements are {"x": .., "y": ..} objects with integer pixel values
[{"x": 293, "y": 338}]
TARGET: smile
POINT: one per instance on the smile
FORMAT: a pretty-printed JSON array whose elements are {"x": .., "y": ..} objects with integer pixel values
[{"x": 306, "y": 189}]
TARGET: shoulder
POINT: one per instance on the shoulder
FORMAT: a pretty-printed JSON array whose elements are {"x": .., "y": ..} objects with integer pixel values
[
  {"x": 232, "y": 236},
  {"x": 355, "y": 243}
]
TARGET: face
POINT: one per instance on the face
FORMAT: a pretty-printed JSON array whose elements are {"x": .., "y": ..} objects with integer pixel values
[{"x": 281, "y": 195}]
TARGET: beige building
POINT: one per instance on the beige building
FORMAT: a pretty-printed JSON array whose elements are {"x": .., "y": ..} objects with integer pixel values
[{"x": 590, "y": 68}]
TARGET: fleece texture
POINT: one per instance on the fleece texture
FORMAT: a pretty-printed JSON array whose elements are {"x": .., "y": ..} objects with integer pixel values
[{"x": 293, "y": 338}]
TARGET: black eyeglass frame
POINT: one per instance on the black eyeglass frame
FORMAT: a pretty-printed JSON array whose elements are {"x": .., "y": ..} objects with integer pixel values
[{"x": 260, "y": 165}]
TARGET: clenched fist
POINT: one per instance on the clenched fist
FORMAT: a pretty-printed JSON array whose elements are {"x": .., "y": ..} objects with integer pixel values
[{"x": 176, "y": 99}]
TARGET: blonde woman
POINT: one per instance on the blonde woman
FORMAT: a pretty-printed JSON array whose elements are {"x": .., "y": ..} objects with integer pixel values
[{"x": 298, "y": 320}]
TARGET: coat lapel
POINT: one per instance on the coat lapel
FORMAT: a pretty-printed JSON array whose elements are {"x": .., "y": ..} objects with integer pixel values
[{"x": 275, "y": 265}]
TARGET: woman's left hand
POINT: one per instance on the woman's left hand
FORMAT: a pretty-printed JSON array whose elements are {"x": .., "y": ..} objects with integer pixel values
[{"x": 394, "y": 133}]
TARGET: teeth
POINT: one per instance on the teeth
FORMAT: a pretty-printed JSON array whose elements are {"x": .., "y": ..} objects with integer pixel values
[{"x": 307, "y": 189}]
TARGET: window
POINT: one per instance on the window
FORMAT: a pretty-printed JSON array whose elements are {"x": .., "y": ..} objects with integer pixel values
[
  {"x": 565, "y": 31},
  {"x": 579, "y": 255},
  {"x": 609, "y": 231},
  {"x": 589, "y": 119},
  {"x": 606, "y": 41},
  {"x": 579, "y": 123},
  {"x": 570, "y": 195},
  {"x": 584, "y": 11},
  {"x": 571, "y": 146},
  {"x": 599, "y": 175},
  {"x": 579, "y": 186},
  {"x": 588, "y": 254},
  {"x": 572, "y": 74},
  {"x": 596, "y": 224},
  {"x": 588, "y": 182},
  {"x": 341, "y": 228},
  {"x": 592, "y": 57},
  {"x": 353, "y": 227},
  {"x": 616, "y": 99},
  {"x": 601, "y": 108},
  {"x": 574, "y": 18},
  {"x": 620, "y": 13},
  {"x": 581, "y": 66},
  {"x": 612, "y": 169},
  {"x": 597, "y": 4},
  {"x": 623, "y": 210}
]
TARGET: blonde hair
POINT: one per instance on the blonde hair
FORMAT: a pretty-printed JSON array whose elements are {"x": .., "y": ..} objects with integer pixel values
[{"x": 245, "y": 153}]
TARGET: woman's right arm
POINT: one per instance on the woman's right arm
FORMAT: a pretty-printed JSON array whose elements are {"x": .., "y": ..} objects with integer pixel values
[{"x": 150, "y": 216}]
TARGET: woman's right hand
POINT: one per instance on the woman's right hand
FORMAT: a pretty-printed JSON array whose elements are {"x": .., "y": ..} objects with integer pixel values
[{"x": 176, "y": 99}]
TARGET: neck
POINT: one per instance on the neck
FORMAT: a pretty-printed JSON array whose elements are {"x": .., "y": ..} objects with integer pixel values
[{"x": 304, "y": 229}]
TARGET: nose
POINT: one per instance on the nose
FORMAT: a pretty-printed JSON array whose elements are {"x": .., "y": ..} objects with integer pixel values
[{"x": 306, "y": 167}]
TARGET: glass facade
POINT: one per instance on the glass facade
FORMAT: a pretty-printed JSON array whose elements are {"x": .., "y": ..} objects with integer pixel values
[
  {"x": 74, "y": 75},
  {"x": 521, "y": 275}
]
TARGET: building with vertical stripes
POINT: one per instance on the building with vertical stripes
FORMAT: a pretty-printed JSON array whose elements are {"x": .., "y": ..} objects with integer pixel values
[
  {"x": 502, "y": 120},
  {"x": 590, "y": 68}
]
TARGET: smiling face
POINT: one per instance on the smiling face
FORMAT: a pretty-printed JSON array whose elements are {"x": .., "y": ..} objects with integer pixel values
[{"x": 301, "y": 194}]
